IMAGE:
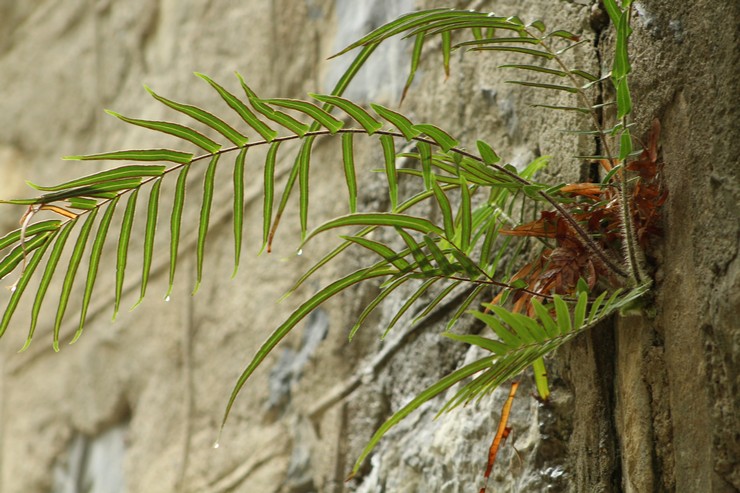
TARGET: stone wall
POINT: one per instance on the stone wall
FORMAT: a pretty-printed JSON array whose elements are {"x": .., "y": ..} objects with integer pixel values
[{"x": 645, "y": 404}]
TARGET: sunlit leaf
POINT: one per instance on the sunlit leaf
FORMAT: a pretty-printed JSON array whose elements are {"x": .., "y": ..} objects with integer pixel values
[
  {"x": 175, "y": 129},
  {"x": 122, "y": 250},
  {"x": 151, "y": 229},
  {"x": 137, "y": 155},
  {"x": 19, "y": 288},
  {"x": 204, "y": 117},
  {"x": 349, "y": 170},
  {"x": 318, "y": 114},
  {"x": 69, "y": 277},
  {"x": 130, "y": 171},
  {"x": 389, "y": 152},
  {"x": 269, "y": 191},
  {"x": 238, "y": 209},
  {"x": 403, "y": 124},
  {"x": 92, "y": 270},
  {"x": 241, "y": 109},
  {"x": 175, "y": 222},
  {"x": 282, "y": 119},
  {"x": 442, "y": 138},
  {"x": 51, "y": 265},
  {"x": 205, "y": 217},
  {"x": 359, "y": 114}
]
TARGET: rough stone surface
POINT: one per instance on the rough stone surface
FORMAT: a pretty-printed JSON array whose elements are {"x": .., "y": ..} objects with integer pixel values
[{"x": 642, "y": 404}]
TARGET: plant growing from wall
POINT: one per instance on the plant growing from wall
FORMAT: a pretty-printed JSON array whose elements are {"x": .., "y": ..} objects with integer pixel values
[{"x": 590, "y": 235}]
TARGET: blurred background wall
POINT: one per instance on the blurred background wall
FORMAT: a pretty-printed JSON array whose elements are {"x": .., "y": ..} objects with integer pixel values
[{"x": 645, "y": 404}]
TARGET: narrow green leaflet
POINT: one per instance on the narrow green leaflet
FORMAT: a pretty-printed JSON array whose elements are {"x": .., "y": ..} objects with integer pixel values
[
  {"x": 492, "y": 345},
  {"x": 86, "y": 191},
  {"x": 131, "y": 171},
  {"x": 621, "y": 57},
  {"x": 506, "y": 336},
  {"x": 151, "y": 229},
  {"x": 349, "y": 170},
  {"x": 69, "y": 278},
  {"x": 20, "y": 286},
  {"x": 442, "y": 138},
  {"x": 446, "y": 50},
  {"x": 402, "y": 221},
  {"x": 502, "y": 40},
  {"x": 51, "y": 265},
  {"x": 624, "y": 100},
  {"x": 579, "y": 312},
  {"x": 137, "y": 155},
  {"x": 238, "y": 206},
  {"x": 204, "y": 117},
  {"x": 31, "y": 229},
  {"x": 359, "y": 114},
  {"x": 536, "y": 68},
  {"x": 425, "y": 154},
  {"x": 282, "y": 119},
  {"x": 548, "y": 324},
  {"x": 540, "y": 378},
  {"x": 439, "y": 257},
  {"x": 17, "y": 254},
  {"x": 397, "y": 26},
  {"x": 92, "y": 270},
  {"x": 389, "y": 153},
  {"x": 516, "y": 49},
  {"x": 391, "y": 256},
  {"x": 403, "y": 124},
  {"x": 318, "y": 114},
  {"x": 205, "y": 216},
  {"x": 175, "y": 222},
  {"x": 421, "y": 260},
  {"x": 384, "y": 292},
  {"x": 241, "y": 109},
  {"x": 464, "y": 217},
  {"x": 410, "y": 300},
  {"x": 415, "y": 57},
  {"x": 562, "y": 315},
  {"x": 444, "y": 206},
  {"x": 122, "y": 249},
  {"x": 487, "y": 153},
  {"x": 303, "y": 163},
  {"x": 269, "y": 192},
  {"x": 175, "y": 129},
  {"x": 555, "y": 87}
]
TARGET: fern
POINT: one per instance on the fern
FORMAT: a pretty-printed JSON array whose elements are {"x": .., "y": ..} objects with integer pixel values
[{"x": 475, "y": 194}]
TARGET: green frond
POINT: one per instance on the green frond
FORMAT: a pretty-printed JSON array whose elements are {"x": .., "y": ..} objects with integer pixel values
[
  {"x": 69, "y": 278},
  {"x": 359, "y": 114},
  {"x": 389, "y": 153},
  {"x": 92, "y": 270},
  {"x": 174, "y": 129},
  {"x": 178, "y": 206},
  {"x": 205, "y": 217},
  {"x": 51, "y": 265},
  {"x": 137, "y": 155},
  {"x": 324, "y": 118},
  {"x": 349, "y": 170},
  {"x": 238, "y": 209},
  {"x": 151, "y": 229},
  {"x": 112, "y": 175},
  {"x": 19, "y": 288},
  {"x": 122, "y": 249},
  {"x": 241, "y": 109}
]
